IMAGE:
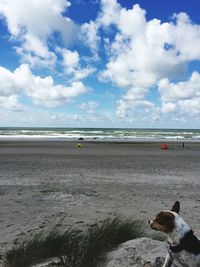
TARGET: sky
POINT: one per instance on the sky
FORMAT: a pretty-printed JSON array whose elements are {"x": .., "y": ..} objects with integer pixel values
[{"x": 100, "y": 63}]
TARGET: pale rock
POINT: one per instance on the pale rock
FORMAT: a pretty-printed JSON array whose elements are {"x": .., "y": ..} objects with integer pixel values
[{"x": 141, "y": 252}]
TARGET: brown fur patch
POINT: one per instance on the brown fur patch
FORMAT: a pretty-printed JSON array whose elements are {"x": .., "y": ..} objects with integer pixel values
[{"x": 164, "y": 222}]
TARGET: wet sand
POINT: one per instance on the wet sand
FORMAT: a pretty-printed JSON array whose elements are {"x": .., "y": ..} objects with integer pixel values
[{"x": 48, "y": 183}]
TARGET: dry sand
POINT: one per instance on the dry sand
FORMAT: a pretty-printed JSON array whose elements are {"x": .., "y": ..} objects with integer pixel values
[{"x": 43, "y": 184}]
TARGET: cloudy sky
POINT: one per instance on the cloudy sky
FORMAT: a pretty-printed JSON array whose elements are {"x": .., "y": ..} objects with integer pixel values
[{"x": 100, "y": 63}]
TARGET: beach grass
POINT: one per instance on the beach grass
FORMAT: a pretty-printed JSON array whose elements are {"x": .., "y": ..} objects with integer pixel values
[{"x": 75, "y": 248}]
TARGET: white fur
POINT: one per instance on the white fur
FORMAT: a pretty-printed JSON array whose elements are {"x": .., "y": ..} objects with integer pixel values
[
  {"x": 181, "y": 228},
  {"x": 186, "y": 259}
]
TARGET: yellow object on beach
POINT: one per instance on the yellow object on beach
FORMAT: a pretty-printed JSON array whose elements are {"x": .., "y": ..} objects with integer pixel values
[{"x": 79, "y": 145}]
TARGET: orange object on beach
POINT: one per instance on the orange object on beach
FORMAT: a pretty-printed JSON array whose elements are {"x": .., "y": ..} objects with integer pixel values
[{"x": 164, "y": 146}]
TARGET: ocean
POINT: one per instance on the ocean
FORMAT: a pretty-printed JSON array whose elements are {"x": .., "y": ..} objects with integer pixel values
[{"x": 99, "y": 134}]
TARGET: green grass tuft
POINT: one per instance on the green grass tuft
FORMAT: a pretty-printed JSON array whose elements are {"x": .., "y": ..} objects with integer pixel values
[{"x": 74, "y": 248}]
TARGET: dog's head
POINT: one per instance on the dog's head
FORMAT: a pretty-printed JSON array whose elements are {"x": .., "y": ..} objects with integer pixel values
[{"x": 165, "y": 220}]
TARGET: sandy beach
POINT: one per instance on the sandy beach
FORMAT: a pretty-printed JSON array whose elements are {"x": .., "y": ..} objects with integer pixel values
[{"x": 48, "y": 183}]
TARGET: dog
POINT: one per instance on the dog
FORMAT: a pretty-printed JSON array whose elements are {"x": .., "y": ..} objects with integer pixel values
[{"x": 184, "y": 246}]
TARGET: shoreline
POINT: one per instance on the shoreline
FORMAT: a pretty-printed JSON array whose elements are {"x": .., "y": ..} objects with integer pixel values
[
  {"x": 100, "y": 134},
  {"x": 96, "y": 140}
]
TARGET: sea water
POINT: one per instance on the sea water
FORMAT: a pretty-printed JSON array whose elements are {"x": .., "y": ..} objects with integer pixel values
[{"x": 100, "y": 134}]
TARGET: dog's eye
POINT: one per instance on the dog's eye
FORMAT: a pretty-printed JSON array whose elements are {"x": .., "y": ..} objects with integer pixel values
[
  {"x": 160, "y": 221},
  {"x": 163, "y": 219}
]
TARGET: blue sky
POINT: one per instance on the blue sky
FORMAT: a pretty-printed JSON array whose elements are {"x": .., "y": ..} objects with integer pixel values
[{"x": 100, "y": 63}]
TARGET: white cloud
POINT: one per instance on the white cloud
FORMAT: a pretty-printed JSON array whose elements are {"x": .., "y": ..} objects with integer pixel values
[
  {"x": 190, "y": 106},
  {"x": 186, "y": 37},
  {"x": 83, "y": 73},
  {"x": 133, "y": 99},
  {"x": 32, "y": 118},
  {"x": 89, "y": 35},
  {"x": 72, "y": 65},
  {"x": 90, "y": 106},
  {"x": 124, "y": 107},
  {"x": 181, "y": 90},
  {"x": 42, "y": 91},
  {"x": 132, "y": 22},
  {"x": 143, "y": 52},
  {"x": 11, "y": 102},
  {"x": 33, "y": 23},
  {"x": 168, "y": 107},
  {"x": 139, "y": 52},
  {"x": 70, "y": 58},
  {"x": 110, "y": 10},
  {"x": 36, "y": 53},
  {"x": 90, "y": 31},
  {"x": 11, "y": 83},
  {"x": 185, "y": 96},
  {"x": 135, "y": 93},
  {"x": 140, "y": 55}
]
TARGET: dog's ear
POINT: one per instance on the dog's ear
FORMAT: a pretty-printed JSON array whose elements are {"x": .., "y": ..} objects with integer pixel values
[{"x": 176, "y": 207}]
